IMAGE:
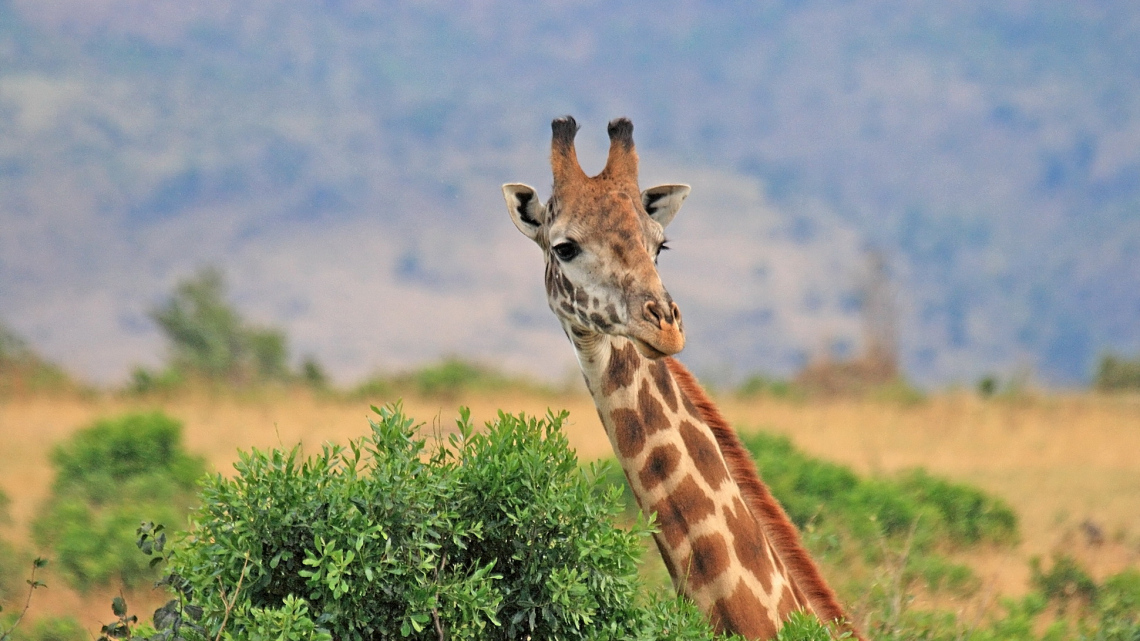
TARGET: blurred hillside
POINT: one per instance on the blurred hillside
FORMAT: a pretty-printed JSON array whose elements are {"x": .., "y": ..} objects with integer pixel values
[{"x": 341, "y": 161}]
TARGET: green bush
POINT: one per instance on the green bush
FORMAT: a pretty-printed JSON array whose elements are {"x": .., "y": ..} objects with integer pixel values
[
  {"x": 817, "y": 491},
  {"x": 1105, "y": 611},
  {"x": 1118, "y": 598},
  {"x": 109, "y": 477},
  {"x": 801, "y": 626},
  {"x": 1066, "y": 581},
  {"x": 1116, "y": 373},
  {"x": 495, "y": 535}
]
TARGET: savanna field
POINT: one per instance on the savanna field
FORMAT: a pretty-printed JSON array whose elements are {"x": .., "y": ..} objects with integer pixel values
[{"x": 1065, "y": 464}]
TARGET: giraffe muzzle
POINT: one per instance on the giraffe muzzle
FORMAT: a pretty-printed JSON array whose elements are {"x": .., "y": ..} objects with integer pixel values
[{"x": 662, "y": 333}]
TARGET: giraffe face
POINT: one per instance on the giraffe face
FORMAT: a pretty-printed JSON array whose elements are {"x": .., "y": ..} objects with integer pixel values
[{"x": 600, "y": 239}]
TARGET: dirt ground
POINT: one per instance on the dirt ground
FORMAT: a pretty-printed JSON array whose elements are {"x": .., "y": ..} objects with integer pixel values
[{"x": 1063, "y": 462}]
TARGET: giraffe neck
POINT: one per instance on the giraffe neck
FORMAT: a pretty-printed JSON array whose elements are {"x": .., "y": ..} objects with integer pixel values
[{"x": 716, "y": 550}]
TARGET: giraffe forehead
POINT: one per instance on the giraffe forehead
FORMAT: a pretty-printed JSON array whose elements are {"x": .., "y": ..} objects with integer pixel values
[
  {"x": 597, "y": 209},
  {"x": 609, "y": 220}
]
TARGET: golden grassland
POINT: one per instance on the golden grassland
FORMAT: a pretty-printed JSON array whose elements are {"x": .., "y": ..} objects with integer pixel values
[{"x": 1059, "y": 460}]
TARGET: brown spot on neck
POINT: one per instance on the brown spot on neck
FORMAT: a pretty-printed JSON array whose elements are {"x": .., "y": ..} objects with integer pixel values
[
  {"x": 686, "y": 506},
  {"x": 707, "y": 561},
  {"x": 659, "y": 466},
  {"x": 741, "y": 612},
  {"x": 750, "y": 545},
  {"x": 629, "y": 432},
  {"x": 705, "y": 455},
  {"x": 664, "y": 383},
  {"x": 650, "y": 409},
  {"x": 619, "y": 371}
]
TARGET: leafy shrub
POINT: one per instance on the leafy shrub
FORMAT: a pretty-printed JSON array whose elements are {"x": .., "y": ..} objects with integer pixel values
[
  {"x": 1109, "y": 611},
  {"x": 801, "y": 626},
  {"x": 816, "y": 490},
  {"x": 497, "y": 535},
  {"x": 1118, "y": 598},
  {"x": 967, "y": 514},
  {"x": 1116, "y": 373},
  {"x": 1066, "y": 581},
  {"x": 109, "y": 477}
]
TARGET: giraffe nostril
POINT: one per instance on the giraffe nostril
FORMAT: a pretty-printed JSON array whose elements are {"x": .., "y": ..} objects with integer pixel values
[
  {"x": 652, "y": 313},
  {"x": 656, "y": 315}
]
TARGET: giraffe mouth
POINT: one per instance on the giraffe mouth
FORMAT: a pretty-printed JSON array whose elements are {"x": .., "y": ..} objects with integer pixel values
[
  {"x": 647, "y": 350},
  {"x": 665, "y": 342}
]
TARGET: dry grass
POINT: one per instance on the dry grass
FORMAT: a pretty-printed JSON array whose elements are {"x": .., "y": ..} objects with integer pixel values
[{"x": 1058, "y": 460}]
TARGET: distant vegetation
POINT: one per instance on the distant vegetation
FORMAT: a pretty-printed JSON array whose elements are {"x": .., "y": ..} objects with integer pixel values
[
  {"x": 24, "y": 371},
  {"x": 109, "y": 477},
  {"x": 210, "y": 341},
  {"x": 447, "y": 379},
  {"x": 1117, "y": 373}
]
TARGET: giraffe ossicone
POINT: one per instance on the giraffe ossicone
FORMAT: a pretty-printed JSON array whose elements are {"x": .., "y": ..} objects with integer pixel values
[{"x": 726, "y": 542}]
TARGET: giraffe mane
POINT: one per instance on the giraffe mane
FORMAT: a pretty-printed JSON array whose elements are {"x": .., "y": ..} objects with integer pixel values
[{"x": 767, "y": 510}]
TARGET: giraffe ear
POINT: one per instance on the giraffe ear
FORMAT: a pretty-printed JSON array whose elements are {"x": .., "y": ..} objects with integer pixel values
[
  {"x": 663, "y": 201},
  {"x": 527, "y": 211}
]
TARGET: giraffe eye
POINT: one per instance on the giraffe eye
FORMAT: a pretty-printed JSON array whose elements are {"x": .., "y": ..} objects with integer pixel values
[
  {"x": 660, "y": 248},
  {"x": 567, "y": 250}
]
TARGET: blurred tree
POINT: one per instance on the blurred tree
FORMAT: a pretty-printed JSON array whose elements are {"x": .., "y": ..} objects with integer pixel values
[
  {"x": 208, "y": 337},
  {"x": 313, "y": 373},
  {"x": 1117, "y": 373}
]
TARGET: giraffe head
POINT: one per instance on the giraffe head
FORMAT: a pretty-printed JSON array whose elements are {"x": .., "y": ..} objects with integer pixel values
[{"x": 600, "y": 238}]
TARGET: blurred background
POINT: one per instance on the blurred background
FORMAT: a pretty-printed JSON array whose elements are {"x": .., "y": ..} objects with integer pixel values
[
  {"x": 972, "y": 166},
  {"x": 909, "y": 269}
]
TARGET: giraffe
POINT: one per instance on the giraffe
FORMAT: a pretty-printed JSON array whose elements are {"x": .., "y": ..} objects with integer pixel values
[{"x": 726, "y": 542}]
